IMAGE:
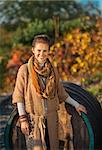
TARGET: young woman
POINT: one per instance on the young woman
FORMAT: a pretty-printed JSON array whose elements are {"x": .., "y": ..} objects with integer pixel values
[{"x": 38, "y": 93}]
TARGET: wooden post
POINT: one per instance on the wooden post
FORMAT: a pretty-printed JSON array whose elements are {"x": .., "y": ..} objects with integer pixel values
[{"x": 56, "y": 26}]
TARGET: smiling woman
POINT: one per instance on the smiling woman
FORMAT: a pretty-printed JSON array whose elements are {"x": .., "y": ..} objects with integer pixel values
[{"x": 37, "y": 94}]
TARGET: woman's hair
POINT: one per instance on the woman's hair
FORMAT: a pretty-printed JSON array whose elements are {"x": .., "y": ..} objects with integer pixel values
[{"x": 41, "y": 38}]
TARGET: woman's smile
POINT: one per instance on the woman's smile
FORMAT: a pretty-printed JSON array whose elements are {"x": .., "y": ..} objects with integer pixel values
[{"x": 41, "y": 52}]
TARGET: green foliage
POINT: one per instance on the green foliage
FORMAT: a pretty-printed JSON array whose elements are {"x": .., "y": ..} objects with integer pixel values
[
  {"x": 20, "y": 13},
  {"x": 2, "y": 71},
  {"x": 37, "y": 27},
  {"x": 82, "y": 23},
  {"x": 93, "y": 79},
  {"x": 26, "y": 35},
  {"x": 95, "y": 89},
  {"x": 6, "y": 41}
]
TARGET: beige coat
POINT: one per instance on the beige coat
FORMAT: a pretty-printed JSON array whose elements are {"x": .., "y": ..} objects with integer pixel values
[{"x": 25, "y": 92}]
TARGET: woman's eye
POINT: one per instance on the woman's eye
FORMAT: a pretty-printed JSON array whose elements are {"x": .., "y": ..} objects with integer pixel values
[
  {"x": 44, "y": 51},
  {"x": 39, "y": 50}
]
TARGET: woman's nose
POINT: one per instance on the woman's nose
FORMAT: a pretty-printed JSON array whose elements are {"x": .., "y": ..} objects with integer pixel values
[{"x": 42, "y": 53}]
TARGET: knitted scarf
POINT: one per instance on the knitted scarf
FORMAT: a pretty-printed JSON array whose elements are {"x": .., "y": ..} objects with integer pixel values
[{"x": 37, "y": 72}]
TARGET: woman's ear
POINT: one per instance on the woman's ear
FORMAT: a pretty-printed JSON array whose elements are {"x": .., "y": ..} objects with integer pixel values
[{"x": 33, "y": 50}]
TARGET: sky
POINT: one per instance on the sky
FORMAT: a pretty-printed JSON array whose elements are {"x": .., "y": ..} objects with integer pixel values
[{"x": 97, "y": 3}]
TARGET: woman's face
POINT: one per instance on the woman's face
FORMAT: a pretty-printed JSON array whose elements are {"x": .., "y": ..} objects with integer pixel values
[{"x": 41, "y": 52}]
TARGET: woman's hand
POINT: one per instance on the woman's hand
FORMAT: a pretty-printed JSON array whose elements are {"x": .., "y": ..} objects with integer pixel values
[
  {"x": 25, "y": 127},
  {"x": 80, "y": 109}
]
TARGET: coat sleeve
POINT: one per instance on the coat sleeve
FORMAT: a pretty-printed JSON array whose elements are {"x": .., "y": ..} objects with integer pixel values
[
  {"x": 18, "y": 93},
  {"x": 62, "y": 94}
]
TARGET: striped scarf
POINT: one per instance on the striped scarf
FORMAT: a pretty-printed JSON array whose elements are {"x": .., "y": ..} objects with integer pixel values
[{"x": 38, "y": 72}]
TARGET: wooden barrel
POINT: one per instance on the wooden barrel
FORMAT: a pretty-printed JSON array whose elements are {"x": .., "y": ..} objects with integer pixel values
[
  {"x": 93, "y": 108},
  {"x": 87, "y": 129}
]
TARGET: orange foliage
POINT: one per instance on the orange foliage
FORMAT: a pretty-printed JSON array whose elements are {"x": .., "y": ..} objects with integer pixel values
[
  {"x": 19, "y": 55},
  {"x": 79, "y": 54}
]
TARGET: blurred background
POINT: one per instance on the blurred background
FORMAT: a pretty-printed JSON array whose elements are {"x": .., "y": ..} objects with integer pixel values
[{"x": 75, "y": 28}]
